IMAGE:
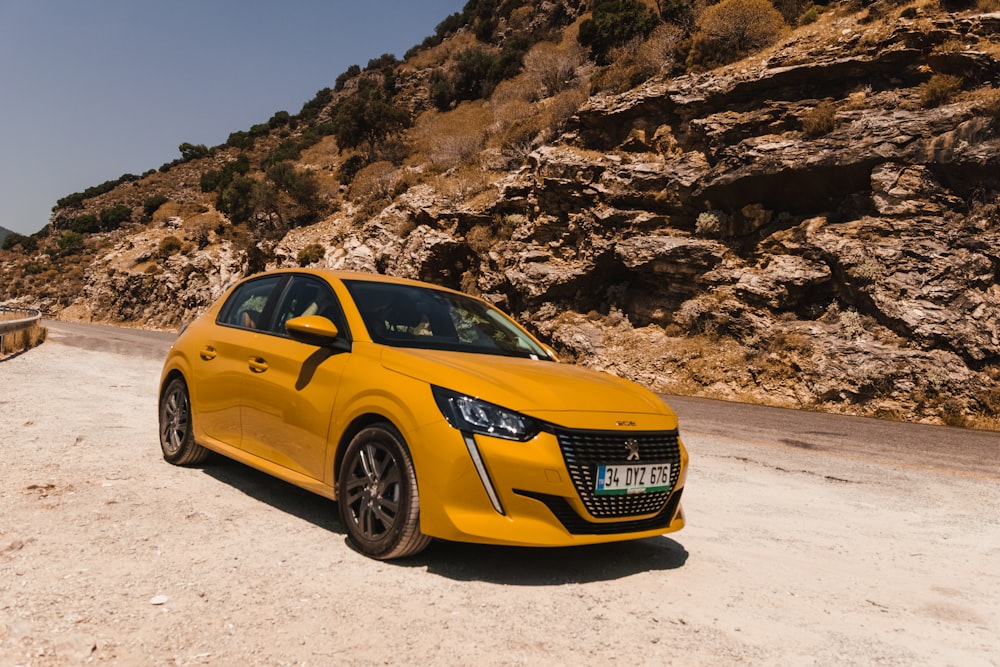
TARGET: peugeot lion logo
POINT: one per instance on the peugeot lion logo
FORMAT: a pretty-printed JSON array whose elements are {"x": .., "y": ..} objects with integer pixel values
[{"x": 632, "y": 445}]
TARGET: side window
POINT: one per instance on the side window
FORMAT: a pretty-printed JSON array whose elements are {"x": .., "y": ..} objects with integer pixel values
[
  {"x": 248, "y": 305},
  {"x": 306, "y": 295}
]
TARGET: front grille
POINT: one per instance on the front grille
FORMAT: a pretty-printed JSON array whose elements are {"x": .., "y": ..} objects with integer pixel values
[{"x": 584, "y": 451}]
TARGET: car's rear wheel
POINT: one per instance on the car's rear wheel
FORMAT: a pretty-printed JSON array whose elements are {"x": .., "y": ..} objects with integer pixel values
[
  {"x": 176, "y": 434},
  {"x": 377, "y": 495}
]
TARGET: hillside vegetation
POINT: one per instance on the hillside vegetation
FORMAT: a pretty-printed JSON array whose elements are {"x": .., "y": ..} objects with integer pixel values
[{"x": 789, "y": 203}]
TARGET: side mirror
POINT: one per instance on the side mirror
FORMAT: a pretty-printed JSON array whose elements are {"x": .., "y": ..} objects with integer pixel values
[{"x": 316, "y": 330}]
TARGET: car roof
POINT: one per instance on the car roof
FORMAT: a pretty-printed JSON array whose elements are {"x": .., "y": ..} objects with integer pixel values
[{"x": 341, "y": 275}]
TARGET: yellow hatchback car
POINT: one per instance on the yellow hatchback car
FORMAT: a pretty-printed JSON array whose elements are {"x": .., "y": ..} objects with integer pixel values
[{"x": 423, "y": 412}]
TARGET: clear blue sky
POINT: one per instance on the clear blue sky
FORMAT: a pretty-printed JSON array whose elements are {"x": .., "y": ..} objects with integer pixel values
[{"x": 93, "y": 89}]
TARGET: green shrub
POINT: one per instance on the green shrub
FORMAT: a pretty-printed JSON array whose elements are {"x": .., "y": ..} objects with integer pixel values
[
  {"x": 312, "y": 108},
  {"x": 346, "y": 76},
  {"x": 791, "y": 10},
  {"x": 278, "y": 119},
  {"x": 442, "y": 91},
  {"x": 473, "y": 74},
  {"x": 287, "y": 150},
  {"x": 240, "y": 140},
  {"x": 450, "y": 25},
  {"x": 349, "y": 168},
  {"x": 114, "y": 217},
  {"x": 311, "y": 254},
  {"x": 88, "y": 223},
  {"x": 939, "y": 89},
  {"x": 811, "y": 15},
  {"x": 957, "y": 5},
  {"x": 301, "y": 186},
  {"x": 221, "y": 178},
  {"x": 26, "y": 243},
  {"x": 613, "y": 23},
  {"x": 71, "y": 242},
  {"x": 384, "y": 61},
  {"x": 76, "y": 199},
  {"x": 153, "y": 203},
  {"x": 478, "y": 71}
]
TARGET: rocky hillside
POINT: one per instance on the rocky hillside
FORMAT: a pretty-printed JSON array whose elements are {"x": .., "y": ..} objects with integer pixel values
[{"x": 815, "y": 225}]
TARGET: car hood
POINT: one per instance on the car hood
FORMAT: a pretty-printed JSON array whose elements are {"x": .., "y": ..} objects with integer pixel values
[{"x": 529, "y": 386}]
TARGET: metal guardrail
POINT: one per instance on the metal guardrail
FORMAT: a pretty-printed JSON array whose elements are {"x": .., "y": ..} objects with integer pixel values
[{"x": 16, "y": 319}]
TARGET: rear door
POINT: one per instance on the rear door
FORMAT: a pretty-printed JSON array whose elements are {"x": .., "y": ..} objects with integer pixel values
[
  {"x": 222, "y": 364},
  {"x": 289, "y": 392}
]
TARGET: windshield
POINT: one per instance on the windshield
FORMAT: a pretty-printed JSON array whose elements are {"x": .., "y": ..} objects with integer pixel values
[{"x": 411, "y": 316}]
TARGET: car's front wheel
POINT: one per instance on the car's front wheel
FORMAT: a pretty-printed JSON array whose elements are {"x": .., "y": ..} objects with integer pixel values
[
  {"x": 176, "y": 434},
  {"x": 377, "y": 495}
]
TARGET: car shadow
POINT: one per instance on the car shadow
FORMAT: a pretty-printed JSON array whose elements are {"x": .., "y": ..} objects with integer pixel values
[
  {"x": 279, "y": 494},
  {"x": 518, "y": 566},
  {"x": 549, "y": 566}
]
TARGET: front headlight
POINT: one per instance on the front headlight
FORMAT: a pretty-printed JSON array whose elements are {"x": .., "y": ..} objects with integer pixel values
[{"x": 472, "y": 415}]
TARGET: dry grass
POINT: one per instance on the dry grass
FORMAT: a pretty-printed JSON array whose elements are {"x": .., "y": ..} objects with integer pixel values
[
  {"x": 939, "y": 89},
  {"x": 553, "y": 67},
  {"x": 173, "y": 209},
  {"x": 819, "y": 120},
  {"x": 448, "y": 139},
  {"x": 376, "y": 182},
  {"x": 463, "y": 184}
]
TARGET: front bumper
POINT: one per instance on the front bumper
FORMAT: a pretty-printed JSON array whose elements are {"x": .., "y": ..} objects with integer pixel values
[{"x": 540, "y": 492}]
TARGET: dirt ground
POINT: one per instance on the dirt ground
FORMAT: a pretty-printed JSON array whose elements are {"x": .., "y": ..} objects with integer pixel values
[{"x": 108, "y": 555}]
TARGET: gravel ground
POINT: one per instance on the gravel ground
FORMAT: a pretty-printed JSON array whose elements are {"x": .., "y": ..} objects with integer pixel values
[{"x": 108, "y": 555}]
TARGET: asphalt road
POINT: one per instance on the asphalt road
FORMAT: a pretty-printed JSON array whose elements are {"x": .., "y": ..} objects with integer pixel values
[{"x": 952, "y": 450}]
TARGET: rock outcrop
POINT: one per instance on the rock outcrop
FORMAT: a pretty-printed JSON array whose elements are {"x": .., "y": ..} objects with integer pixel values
[{"x": 698, "y": 235}]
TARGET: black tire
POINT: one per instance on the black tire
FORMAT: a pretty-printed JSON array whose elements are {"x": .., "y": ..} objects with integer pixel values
[
  {"x": 377, "y": 495},
  {"x": 176, "y": 434}
]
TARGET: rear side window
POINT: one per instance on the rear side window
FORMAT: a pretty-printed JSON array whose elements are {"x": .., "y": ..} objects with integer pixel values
[{"x": 248, "y": 306}]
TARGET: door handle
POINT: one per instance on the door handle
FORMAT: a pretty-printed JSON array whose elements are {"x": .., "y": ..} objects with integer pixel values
[
  {"x": 257, "y": 364},
  {"x": 208, "y": 353}
]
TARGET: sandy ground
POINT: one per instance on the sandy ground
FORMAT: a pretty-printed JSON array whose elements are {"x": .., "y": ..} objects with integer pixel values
[{"x": 109, "y": 555}]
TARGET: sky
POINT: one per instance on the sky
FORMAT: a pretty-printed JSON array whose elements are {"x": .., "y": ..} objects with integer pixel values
[{"x": 91, "y": 90}]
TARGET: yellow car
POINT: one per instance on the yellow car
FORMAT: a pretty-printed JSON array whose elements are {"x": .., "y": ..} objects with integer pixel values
[{"x": 423, "y": 412}]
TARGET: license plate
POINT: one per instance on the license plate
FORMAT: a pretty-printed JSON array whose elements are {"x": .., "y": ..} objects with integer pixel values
[{"x": 623, "y": 479}]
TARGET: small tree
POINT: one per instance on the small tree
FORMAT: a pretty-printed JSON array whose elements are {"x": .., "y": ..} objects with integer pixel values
[
  {"x": 367, "y": 118},
  {"x": 192, "y": 151},
  {"x": 236, "y": 199}
]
